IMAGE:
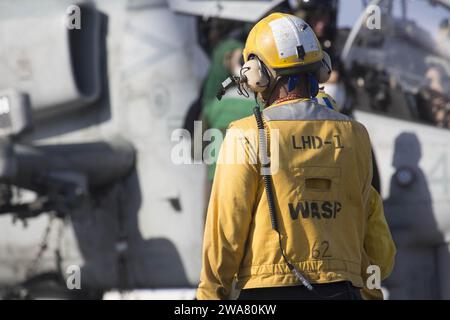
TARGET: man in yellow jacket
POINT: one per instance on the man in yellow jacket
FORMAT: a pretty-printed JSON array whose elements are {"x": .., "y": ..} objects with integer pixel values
[{"x": 306, "y": 224}]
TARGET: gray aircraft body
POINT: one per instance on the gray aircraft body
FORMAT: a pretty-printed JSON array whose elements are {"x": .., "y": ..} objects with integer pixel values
[
  {"x": 397, "y": 85},
  {"x": 88, "y": 177},
  {"x": 92, "y": 94}
]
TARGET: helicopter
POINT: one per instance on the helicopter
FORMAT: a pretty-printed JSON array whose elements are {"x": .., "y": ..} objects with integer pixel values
[
  {"x": 396, "y": 84},
  {"x": 90, "y": 95}
]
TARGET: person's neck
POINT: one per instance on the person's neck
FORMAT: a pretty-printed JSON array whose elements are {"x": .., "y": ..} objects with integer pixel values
[{"x": 281, "y": 94}]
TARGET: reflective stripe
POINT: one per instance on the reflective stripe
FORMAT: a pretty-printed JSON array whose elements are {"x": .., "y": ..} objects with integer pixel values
[
  {"x": 328, "y": 103},
  {"x": 304, "y": 110}
]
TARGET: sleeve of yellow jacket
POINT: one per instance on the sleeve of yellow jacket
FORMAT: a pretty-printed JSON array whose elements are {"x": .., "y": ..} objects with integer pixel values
[
  {"x": 229, "y": 217},
  {"x": 378, "y": 244}
]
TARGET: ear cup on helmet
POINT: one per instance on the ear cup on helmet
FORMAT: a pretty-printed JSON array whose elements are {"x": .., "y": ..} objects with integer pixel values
[
  {"x": 254, "y": 76},
  {"x": 324, "y": 72}
]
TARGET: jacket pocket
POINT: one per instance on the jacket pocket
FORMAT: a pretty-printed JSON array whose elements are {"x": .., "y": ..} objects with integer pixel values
[{"x": 317, "y": 183}]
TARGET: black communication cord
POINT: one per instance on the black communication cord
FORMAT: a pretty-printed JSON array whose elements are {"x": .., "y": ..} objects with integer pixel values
[{"x": 270, "y": 197}]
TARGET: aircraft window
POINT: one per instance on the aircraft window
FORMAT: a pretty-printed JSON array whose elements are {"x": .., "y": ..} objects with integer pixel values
[{"x": 406, "y": 73}]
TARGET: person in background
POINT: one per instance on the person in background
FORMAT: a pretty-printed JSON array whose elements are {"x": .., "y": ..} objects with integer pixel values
[
  {"x": 433, "y": 99},
  {"x": 226, "y": 61}
]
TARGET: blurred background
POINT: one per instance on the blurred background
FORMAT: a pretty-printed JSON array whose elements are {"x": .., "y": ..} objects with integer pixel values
[{"x": 95, "y": 95}]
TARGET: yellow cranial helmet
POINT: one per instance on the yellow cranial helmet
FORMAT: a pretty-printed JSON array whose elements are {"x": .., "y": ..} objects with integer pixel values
[{"x": 284, "y": 43}]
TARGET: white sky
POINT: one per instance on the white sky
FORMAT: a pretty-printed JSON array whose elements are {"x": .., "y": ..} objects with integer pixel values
[{"x": 349, "y": 11}]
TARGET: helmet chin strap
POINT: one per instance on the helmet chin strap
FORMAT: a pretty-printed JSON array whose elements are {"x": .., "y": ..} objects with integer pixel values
[
  {"x": 313, "y": 85},
  {"x": 293, "y": 82}
]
